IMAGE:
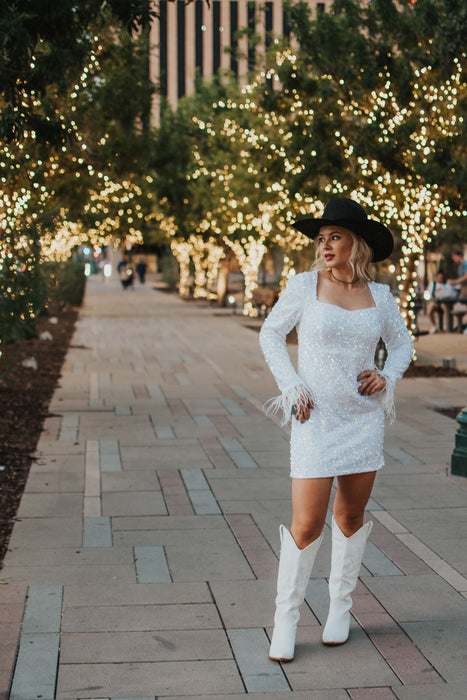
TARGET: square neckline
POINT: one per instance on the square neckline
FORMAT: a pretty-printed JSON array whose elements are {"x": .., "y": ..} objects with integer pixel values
[{"x": 337, "y": 306}]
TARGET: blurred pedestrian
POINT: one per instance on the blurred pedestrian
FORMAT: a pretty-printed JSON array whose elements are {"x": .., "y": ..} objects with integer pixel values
[
  {"x": 122, "y": 264},
  {"x": 461, "y": 285},
  {"x": 141, "y": 268},
  {"x": 458, "y": 257},
  {"x": 338, "y": 400},
  {"x": 126, "y": 274}
]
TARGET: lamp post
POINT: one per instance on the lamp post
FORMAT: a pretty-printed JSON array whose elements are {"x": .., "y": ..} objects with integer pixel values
[{"x": 459, "y": 455}]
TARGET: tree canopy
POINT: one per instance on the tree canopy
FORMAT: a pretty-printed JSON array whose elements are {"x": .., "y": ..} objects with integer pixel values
[{"x": 371, "y": 105}]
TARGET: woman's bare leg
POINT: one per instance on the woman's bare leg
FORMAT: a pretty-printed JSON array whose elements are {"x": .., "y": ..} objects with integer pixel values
[
  {"x": 299, "y": 547},
  {"x": 310, "y": 500},
  {"x": 430, "y": 312},
  {"x": 349, "y": 537},
  {"x": 353, "y": 493}
]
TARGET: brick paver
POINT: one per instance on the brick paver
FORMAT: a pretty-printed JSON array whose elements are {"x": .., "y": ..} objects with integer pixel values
[{"x": 144, "y": 558}]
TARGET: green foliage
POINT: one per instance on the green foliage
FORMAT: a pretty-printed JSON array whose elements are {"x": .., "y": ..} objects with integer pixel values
[
  {"x": 169, "y": 269},
  {"x": 45, "y": 43},
  {"x": 22, "y": 288},
  {"x": 369, "y": 105},
  {"x": 64, "y": 282},
  {"x": 68, "y": 130},
  {"x": 75, "y": 141},
  {"x": 26, "y": 290},
  {"x": 172, "y": 158},
  {"x": 357, "y": 51},
  {"x": 111, "y": 112}
]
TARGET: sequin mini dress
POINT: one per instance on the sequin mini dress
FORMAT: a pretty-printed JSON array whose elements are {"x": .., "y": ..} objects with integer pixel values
[{"x": 345, "y": 431}]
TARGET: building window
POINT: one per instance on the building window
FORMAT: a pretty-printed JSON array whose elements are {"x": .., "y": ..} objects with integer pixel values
[
  {"x": 163, "y": 49},
  {"x": 233, "y": 37},
  {"x": 268, "y": 12},
  {"x": 321, "y": 7},
  {"x": 251, "y": 35},
  {"x": 181, "y": 46},
  {"x": 285, "y": 23},
  {"x": 199, "y": 36},
  {"x": 216, "y": 31}
]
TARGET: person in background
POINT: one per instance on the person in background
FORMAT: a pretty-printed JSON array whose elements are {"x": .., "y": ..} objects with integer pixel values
[
  {"x": 141, "y": 268},
  {"x": 122, "y": 265},
  {"x": 440, "y": 289},
  {"x": 461, "y": 286},
  {"x": 125, "y": 272},
  {"x": 461, "y": 280}
]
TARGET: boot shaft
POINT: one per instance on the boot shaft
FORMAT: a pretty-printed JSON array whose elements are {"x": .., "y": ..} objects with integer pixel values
[{"x": 346, "y": 558}]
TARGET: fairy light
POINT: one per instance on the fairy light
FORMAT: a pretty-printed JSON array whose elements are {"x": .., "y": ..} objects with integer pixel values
[
  {"x": 182, "y": 251},
  {"x": 206, "y": 256},
  {"x": 32, "y": 227},
  {"x": 246, "y": 215},
  {"x": 250, "y": 201},
  {"x": 419, "y": 208}
]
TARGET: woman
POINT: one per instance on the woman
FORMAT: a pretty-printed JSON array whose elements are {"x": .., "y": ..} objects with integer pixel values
[{"x": 338, "y": 400}]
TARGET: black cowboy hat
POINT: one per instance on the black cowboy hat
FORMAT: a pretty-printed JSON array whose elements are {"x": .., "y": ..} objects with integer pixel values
[{"x": 350, "y": 215}]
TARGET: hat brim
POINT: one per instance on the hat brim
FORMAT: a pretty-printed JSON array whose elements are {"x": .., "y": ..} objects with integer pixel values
[{"x": 376, "y": 234}]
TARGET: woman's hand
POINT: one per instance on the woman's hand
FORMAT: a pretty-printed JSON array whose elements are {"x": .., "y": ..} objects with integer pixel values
[
  {"x": 301, "y": 412},
  {"x": 371, "y": 382}
]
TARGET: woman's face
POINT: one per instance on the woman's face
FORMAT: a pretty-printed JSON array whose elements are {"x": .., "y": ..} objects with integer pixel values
[{"x": 335, "y": 245}]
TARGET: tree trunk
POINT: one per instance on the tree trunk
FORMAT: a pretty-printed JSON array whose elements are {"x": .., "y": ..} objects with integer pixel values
[
  {"x": 250, "y": 276},
  {"x": 249, "y": 256},
  {"x": 222, "y": 283},
  {"x": 407, "y": 288},
  {"x": 182, "y": 251},
  {"x": 206, "y": 256}
]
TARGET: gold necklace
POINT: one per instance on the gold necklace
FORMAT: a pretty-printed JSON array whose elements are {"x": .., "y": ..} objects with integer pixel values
[{"x": 342, "y": 281}]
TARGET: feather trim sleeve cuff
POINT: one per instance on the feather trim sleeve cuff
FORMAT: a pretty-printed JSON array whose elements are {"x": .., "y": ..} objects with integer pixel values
[
  {"x": 298, "y": 395},
  {"x": 387, "y": 398}
]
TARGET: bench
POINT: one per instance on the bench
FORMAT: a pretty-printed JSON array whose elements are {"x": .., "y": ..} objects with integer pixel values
[{"x": 461, "y": 325}]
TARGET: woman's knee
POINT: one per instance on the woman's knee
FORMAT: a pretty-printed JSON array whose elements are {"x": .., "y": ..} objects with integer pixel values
[
  {"x": 310, "y": 499},
  {"x": 349, "y": 521},
  {"x": 306, "y": 530}
]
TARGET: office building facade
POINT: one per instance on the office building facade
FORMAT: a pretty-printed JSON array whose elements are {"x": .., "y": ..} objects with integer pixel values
[{"x": 194, "y": 39}]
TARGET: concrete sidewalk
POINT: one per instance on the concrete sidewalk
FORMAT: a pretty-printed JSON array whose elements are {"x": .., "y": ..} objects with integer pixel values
[{"x": 144, "y": 558}]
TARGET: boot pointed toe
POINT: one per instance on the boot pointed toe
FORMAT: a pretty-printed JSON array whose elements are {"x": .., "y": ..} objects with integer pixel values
[{"x": 335, "y": 634}]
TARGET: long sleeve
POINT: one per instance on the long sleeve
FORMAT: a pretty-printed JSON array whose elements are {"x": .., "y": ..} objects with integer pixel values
[
  {"x": 284, "y": 316},
  {"x": 399, "y": 346}
]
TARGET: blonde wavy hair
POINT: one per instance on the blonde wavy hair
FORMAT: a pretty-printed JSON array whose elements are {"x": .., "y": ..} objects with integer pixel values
[{"x": 360, "y": 259}]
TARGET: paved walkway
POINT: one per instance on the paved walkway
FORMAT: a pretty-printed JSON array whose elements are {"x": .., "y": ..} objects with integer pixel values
[
  {"x": 144, "y": 557},
  {"x": 434, "y": 349}
]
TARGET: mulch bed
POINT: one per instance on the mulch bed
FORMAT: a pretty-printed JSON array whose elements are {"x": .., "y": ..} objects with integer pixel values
[
  {"x": 450, "y": 411},
  {"x": 25, "y": 395},
  {"x": 433, "y": 371}
]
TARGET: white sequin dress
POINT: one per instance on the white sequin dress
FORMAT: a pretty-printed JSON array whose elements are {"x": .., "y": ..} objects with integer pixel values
[{"x": 344, "y": 434}]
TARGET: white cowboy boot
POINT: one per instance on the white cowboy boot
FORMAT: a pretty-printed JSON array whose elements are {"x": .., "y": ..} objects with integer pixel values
[
  {"x": 346, "y": 558},
  {"x": 295, "y": 567}
]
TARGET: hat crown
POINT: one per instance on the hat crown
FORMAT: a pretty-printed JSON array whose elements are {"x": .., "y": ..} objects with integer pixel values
[
  {"x": 342, "y": 211},
  {"x": 344, "y": 208}
]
